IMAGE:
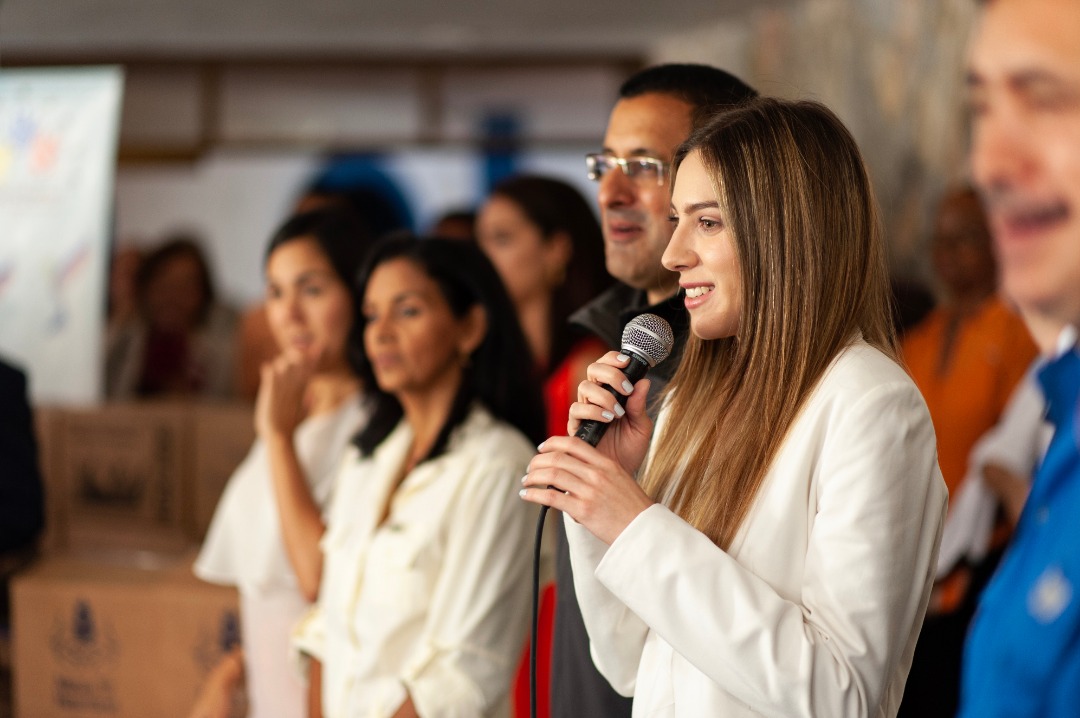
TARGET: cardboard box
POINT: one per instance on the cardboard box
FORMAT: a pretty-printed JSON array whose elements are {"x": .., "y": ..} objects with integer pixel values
[
  {"x": 138, "y": 475},
  {"x": 116, "y": 636},
  {"x": 222, "y": 435},
  {"x": 48, "y": 429},
  {"x": 120, "y": 473},
  {"x": 127, "y": 461}
]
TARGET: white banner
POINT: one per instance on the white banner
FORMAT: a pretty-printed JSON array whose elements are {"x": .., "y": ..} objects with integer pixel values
[{"x": 58, "y": 136}]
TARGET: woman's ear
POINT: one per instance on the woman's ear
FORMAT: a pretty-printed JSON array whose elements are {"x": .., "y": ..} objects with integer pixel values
[{"x": 474, "y": 327}]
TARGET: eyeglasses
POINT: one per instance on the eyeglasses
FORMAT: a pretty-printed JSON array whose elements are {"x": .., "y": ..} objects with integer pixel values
[{"x": 641, "y": 169}]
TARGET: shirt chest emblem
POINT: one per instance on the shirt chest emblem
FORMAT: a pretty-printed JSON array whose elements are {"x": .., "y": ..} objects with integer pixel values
[{"x": 1050, "y": 596}]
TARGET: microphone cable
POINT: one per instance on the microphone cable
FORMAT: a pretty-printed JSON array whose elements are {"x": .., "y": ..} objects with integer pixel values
[
  {"x": 535, "y": 630},
  {"x": 647, "y": 340}
]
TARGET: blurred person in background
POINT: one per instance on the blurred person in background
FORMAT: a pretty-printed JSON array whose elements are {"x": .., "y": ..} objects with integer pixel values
[
  {"x": 546, "y": 244},
  {"x": 547, "y": 247},
  {"x": 378, "y": 215},
  {"x": 456, "y": 224},
  {"x": 22, "y": 499},
  {"x": 424, "y": 600},
  {"x": 123, "y": 296},
  {"x": 22, "y": 503},
  {"x": 1000, "y": 468},
  {"x": 264, "y": 538},
  {"x": 967, "y": 356},
  {"x": 180, "y": 341}
]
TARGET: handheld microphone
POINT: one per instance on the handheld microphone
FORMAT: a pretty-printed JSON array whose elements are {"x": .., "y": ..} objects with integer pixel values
[{"x": 647, "y": 340}]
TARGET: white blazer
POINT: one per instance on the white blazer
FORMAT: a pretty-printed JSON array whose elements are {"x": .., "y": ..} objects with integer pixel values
[{"x": 816, "y": 608}]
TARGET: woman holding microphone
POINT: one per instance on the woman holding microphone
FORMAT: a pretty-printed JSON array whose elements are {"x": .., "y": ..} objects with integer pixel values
[{"x": 777, "y": 556}]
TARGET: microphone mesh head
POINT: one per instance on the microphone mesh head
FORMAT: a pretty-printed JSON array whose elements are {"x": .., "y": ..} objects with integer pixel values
[{"x": 650, "y": 337}]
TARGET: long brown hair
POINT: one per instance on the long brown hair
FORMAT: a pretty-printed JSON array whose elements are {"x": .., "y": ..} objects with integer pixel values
[{"x": 796, "y": 197}]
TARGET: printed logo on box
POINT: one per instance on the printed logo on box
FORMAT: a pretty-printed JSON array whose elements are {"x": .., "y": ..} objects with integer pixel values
[
  {"x": 82, "y": 641},
  {"x": 217, "y": 642}
]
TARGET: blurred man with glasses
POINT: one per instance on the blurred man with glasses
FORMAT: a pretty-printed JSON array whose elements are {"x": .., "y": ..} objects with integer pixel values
[{"x": 657, "y": 109}]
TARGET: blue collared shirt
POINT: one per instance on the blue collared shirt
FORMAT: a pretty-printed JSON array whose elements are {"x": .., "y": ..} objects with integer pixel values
[{"x": 1022, "y": 656}]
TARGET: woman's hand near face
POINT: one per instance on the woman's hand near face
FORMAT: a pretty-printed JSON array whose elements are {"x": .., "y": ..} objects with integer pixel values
[
  {"x": 279, "y": 405},
  {"x": 595, "y": 485}
]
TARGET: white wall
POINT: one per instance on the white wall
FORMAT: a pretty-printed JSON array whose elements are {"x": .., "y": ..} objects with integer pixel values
[
  {"x": 234, "y": 199},
  {"x": 892, "y": 71}
]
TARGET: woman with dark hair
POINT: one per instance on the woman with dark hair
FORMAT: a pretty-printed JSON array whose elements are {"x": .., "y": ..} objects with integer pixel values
[
  {"x": 180, "y": 343},
  {"x": 546, "y": 244},
  {"x": 777, "y": 556},
  {"x": 264, "y": 538},
  {"x": 423, "y": 603}
]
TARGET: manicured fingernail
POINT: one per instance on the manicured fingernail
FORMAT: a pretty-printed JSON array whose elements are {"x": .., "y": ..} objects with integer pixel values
[
  {"x": 619, "y": 411},
  {"x": 607, "y": 415},
  {"x": 524, "y": 478},
  {"x": 627, "y": 386},
  {"x": 621, "y": 358},
  {"x": 540, "y": 446},
  {"x": 522, "y": 493}
]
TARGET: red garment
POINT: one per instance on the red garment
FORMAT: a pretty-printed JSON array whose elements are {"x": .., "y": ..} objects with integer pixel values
[
  {"x": 167, "y": 365},
  {"x": 557, "y": 399},
  {"x": 560, "y": 388},
  {"x": 543, "y": 661}
]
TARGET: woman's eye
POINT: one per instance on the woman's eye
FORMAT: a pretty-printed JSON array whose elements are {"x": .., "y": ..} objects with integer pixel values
[
  {"x": 707, "y": 223},
  {"x": 312, "y": 291},
  {"x": 673, "y": 218}
]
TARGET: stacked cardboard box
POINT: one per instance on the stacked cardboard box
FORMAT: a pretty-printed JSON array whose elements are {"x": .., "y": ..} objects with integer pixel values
[
  {"x": 118, "y": 635},
  {"x": 221, "y": 435},
  {"x": 138, "y": 475},
  {"x": 111, "y": 623}
]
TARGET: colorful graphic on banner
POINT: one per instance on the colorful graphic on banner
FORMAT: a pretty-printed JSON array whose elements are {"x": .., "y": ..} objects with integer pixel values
[{"x": 58, "y": 135}]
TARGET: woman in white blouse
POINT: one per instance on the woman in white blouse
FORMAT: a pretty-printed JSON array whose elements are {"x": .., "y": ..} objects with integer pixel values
[
  {"x": 777, "y": 557},
  {"x": 264, "y": 538},
  {"x": 423, "y": 605}
]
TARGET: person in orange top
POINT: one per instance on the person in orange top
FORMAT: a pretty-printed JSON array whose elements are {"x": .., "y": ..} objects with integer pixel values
[{"x": 966, "y": 357}]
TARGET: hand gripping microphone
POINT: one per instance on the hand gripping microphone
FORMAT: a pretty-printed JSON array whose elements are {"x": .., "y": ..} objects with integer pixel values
[{"x": 647, "y": 340}]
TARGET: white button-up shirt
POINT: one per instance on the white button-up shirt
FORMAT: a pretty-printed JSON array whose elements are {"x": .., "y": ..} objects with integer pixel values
[{"x": 433, "y": 603}]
